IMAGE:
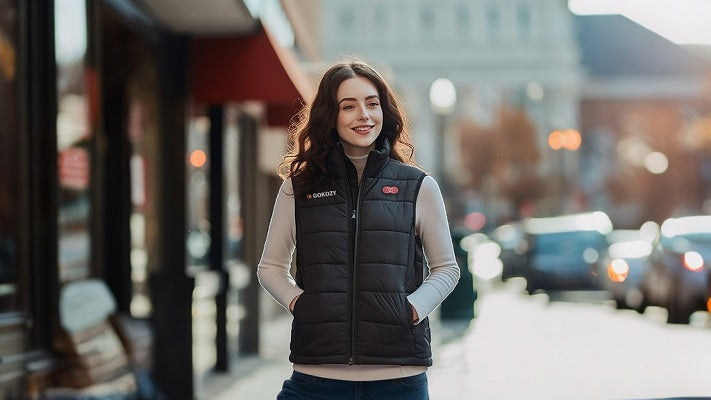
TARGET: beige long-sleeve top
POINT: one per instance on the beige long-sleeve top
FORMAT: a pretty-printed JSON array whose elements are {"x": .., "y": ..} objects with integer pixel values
[{"x": 432, "y": 228}]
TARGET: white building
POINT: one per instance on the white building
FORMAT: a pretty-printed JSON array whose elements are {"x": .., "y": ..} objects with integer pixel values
[{"x": 494, "y": 51}]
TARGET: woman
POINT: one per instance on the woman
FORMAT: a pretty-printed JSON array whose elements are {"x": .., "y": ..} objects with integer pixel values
[{"x": 360, "y": 216}]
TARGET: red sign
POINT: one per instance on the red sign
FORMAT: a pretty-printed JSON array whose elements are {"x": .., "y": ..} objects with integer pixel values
[{"x": 73, "y": 165}]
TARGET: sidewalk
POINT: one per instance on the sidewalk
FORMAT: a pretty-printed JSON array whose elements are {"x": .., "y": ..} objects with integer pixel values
[
  {"x": 260, "y": 378},
  {"x": 534, "y": 347}
]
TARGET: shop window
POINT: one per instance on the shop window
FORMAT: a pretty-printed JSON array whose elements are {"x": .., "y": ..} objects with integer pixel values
[
  {"x": 427, "y": 23},
  {"x": 142, "y": 130},
  {"x": 524, "y": 21},
  {"x": 74, "y": 138},
  {"x": 493, "y": 21},
  {"x": 199, "y": 235},
  {"x": 462, "y": 22},
  {"x": 346, "y": 19},
  {"x": 199, "y": 231},
  {"x": 234, "y": 149},
  {"x": 8, "y": 154},
  {"x": 233, "y": 205},
  {"x": 200, "y": 238},
  {"x": 382, "y": 28},
  {"x": 203, "y": 234}
]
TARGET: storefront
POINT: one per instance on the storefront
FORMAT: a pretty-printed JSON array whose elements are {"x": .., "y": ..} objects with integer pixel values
[
  {"x": 13, "y": 277},
  {"x": 125, "y": 161}
]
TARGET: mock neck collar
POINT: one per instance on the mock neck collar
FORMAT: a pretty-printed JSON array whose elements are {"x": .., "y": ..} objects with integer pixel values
[{"x": 377, "y": 158}]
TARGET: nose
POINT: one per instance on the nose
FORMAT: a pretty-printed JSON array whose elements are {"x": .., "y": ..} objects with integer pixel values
[{"x": 363, "y": 114}]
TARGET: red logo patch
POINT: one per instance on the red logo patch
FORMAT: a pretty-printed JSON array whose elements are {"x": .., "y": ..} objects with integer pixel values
[{"x": 390, "y": 189}]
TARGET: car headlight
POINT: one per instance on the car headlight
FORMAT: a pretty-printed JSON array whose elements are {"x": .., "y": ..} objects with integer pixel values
[
  {"x": 693, "y": 261},
  {"x": 617, "y": 270}
]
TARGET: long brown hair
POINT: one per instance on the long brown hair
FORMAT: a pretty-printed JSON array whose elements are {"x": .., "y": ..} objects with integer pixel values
[{"x": 312, "y": 133}]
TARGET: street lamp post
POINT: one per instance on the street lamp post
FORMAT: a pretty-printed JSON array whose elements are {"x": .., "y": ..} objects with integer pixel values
[
  {"x": 443, "y": 97},
  {"x": 559, "y": 141}
]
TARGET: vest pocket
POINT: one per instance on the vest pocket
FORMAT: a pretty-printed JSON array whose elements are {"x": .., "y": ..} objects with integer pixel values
[
  {"x": 296, "y": 304},
  {"x": 422, "y": 339},
  {"x": 297, "y": 336},
  {"x": 383, "y": 328},
  {"x": 408, "y": 312},
  {"x": 320, "y": 326}
]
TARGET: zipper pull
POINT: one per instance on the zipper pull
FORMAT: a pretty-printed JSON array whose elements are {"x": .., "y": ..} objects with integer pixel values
[{"x": 353, "y": 216}]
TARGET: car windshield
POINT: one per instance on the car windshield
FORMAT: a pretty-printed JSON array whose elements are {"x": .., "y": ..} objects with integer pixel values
[
  {"x": 700, "y": 239},
  {"x": 568, "y": 242},
  {"x": 692, "y": 241}
]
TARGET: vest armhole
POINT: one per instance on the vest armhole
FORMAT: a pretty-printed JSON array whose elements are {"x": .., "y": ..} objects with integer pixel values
[
  {"x": 419, "y": 269},
  {"x": 417, "y": 189}
]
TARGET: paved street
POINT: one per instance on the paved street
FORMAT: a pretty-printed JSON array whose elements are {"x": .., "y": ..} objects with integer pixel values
[{"x": 575, "y": 347}]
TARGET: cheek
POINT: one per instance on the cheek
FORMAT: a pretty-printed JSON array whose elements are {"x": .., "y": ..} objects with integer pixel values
[
  {"x": 341, "y": 120},
  {"x": 341, "y": 127},
  {"x": 379, "y": 114},
  {"x": 379, "y": 118}
]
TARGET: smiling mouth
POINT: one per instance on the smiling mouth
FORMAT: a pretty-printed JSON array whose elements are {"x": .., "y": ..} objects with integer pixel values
[{"x": 362, "y": 130}]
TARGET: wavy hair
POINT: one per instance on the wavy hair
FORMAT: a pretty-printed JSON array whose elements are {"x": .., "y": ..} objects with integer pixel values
[{"x": 312, "y": 133}]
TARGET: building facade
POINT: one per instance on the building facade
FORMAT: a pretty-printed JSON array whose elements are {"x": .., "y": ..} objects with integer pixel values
[
  {"x": 137, "y": 178},
  {"x": 642, "y": 99}
]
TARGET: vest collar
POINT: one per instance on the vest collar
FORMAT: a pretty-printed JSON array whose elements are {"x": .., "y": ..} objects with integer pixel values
[{"x": 377, "y": 158}]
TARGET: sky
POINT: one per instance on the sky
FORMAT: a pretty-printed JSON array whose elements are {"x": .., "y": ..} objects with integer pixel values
[{"x": 681, "y": 21}]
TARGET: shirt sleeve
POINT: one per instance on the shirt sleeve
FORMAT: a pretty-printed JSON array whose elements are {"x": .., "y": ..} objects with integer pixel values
[
  {"x": 274, "y": 267},
  {"x": 433, "y": 229}
]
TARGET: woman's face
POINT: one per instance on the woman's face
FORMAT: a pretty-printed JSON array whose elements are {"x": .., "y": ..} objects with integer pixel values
[{"x": 360, "y": 117}]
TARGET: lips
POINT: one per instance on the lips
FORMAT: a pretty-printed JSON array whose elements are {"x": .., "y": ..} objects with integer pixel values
[{"x": 363, "y": 130}]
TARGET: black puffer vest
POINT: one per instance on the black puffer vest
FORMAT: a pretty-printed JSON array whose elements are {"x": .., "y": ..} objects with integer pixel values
[{"x": 357, "y": 260}]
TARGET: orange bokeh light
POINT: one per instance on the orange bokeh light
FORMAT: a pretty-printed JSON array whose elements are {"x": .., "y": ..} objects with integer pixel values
[
  {"x": 555, "y": 140},
  {"x": 572, "y": 139},
  {"x": 569, "y": 139},
  {"x": 198, "y": 158},
  {"x": 693, "y": 261},
  {"x": 618, "y": 270}
]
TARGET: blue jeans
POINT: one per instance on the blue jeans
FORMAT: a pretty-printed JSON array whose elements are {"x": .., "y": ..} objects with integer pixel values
[{"x": 307, "y": 387}]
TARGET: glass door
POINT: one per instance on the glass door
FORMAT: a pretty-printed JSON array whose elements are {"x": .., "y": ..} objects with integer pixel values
[{"x": 74, "y": 136}]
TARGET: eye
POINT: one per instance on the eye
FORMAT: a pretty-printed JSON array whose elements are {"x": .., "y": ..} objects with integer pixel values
[
  {"x": 348, "y": 107},
  {"x": 373, "y": 104}
]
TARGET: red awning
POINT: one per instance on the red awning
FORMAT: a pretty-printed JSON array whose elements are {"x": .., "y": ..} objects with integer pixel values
[{"x": 249, "y": 68}]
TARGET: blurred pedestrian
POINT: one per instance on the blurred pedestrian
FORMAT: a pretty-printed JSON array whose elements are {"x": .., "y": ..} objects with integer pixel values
[{"x": 360, "y": 215}]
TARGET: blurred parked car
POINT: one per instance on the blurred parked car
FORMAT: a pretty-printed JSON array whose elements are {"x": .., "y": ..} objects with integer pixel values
[
  {"x": 512, "y": 241},
  {"x": 563, "y": 250},
  {"x": 678, "y": 271},
  {"x": 622, "y": 266}
]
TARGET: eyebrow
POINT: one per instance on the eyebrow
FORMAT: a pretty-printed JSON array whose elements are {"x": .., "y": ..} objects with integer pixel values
[{"x": 354, "y": 99}]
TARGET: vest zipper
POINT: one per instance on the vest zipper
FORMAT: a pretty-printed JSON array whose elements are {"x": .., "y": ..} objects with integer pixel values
[{"x": 354, "y": 310}]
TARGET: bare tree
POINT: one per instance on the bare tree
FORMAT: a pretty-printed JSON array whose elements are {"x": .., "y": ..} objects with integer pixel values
[{"x": 506, "y": 153}]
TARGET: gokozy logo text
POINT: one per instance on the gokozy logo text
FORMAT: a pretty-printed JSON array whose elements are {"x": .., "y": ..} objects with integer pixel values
[{"x": 319, "y": 195}]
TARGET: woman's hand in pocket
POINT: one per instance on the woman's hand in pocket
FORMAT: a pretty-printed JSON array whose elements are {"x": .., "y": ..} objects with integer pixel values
[{"x": 291, "y": 304}]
